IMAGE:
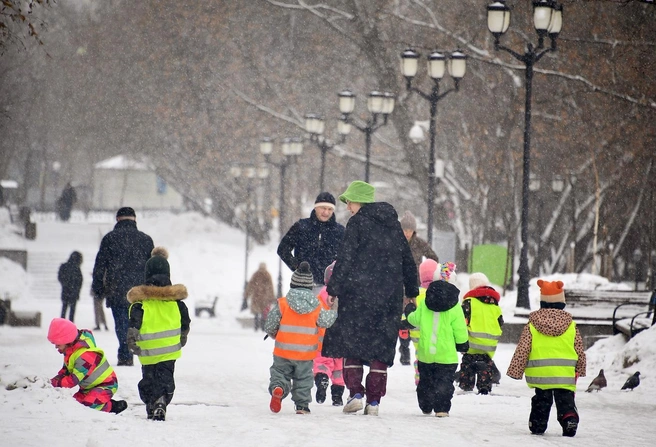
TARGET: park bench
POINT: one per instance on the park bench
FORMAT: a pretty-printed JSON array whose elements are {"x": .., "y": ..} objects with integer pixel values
[
  {"x": 206, "y": 306},
  {"x": 631, "y": 310}
]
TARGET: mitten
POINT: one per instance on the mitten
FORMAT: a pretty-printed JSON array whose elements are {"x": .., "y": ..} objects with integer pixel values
[
  {"x": 183, "y": 338},
  {"x": 409, "y": 308},
  {"x": 56, "y": 382},
  {"x": 462, "y": 347},
  {"x": 133, "y": 336}
]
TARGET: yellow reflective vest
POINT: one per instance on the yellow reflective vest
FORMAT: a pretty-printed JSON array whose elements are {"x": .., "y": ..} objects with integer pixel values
[
  {"x": 414, "y": 333},
  {"x": 552, "y": 361},
  {"x": 484, "y": 330},
  {"x": 159, "y": 336}
]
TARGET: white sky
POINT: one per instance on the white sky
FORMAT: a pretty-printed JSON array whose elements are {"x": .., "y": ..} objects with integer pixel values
[{"x": 222, "y": 377}]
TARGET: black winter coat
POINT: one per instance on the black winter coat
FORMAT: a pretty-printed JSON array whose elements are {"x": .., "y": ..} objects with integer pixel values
[
  {"x": 70, "y": 278},
  {"x": 313, "y": 241},
  {"x": 121, "y": 263},
  {"x": 373, "y": 267}
]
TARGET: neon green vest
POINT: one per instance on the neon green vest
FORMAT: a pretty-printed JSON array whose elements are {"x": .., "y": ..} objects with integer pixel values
[
  {"x": 484, "y": 329},
  {"x": 552, "y": 361},
  {"x": 414, "y": 333},
  {"x": 159, "y": 337},
  {"x": 97, "y": 376}
]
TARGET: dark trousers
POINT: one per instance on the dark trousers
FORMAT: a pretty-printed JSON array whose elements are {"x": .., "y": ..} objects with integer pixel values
[
  {"x": 70, "y": 305},
  {"x": 121, "y": 322},
  {"x": 435, "y": 388},
  {"x": 541, "y": 407},
  {"x": 258, "y": 321},
  {"x": 157, "y": 381},
  {"x": 376, "y": 383},
  {"x": 476, "y": 369}
]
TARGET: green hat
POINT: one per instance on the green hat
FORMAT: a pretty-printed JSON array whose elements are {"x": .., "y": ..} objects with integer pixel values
[{"x": 358, "y": 192}]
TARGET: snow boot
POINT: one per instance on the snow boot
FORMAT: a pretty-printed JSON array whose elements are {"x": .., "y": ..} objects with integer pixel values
[
  {"x": 159, "y": 410},
  {"x": 276, "y": 399},
  {"x": 118, "y": 406},
  {"x": 302, "y": 409},
  {"x": 337, "y": 391},
  {"x": 404, "y": 350},
  {"x": 321, "y": 381}
]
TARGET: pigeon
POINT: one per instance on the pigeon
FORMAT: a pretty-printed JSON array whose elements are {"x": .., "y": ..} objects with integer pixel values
[
  {"x": 598, "y": 383},
  {"x": 632, "y": 381}
]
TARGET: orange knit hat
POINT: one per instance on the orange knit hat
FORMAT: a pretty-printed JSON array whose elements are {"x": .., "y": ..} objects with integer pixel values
[{"x": 551, "y": 291}]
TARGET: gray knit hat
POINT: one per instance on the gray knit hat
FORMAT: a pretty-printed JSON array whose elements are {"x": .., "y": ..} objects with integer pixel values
[
  {"x": 408, "y": 221},
  {"x": 302, "y": 277}
]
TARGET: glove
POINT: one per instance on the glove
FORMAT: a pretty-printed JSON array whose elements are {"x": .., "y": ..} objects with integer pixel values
[
  {"x": 56, "y": 382},
  {"x": 183, "y": 338},
  {"x": 133, "y": 336}
]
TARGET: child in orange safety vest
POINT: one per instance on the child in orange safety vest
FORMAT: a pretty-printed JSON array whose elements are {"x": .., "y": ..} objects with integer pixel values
[{"x": 294, "y": 323}]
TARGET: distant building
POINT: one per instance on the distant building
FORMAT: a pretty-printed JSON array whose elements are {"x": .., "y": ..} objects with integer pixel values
[{"x": 125, "y": 181}]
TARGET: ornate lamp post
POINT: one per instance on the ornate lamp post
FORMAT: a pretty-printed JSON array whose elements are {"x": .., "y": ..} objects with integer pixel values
[
  {"x": 291, "y": 149},
  {"x": 438, "y": 64},
  {"x": 378, "y": 103},
  {"x": 315, "y": 125},
  {"x": 548, "y": 21}
]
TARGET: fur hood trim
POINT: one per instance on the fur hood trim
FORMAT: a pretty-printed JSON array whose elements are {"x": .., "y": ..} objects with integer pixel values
[{"x": 166, "y": 293}]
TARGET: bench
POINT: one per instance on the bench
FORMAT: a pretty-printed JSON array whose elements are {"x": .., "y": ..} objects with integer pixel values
[
  {"x": 206, "y": 306},
  {"x": 24, "y": 318}
]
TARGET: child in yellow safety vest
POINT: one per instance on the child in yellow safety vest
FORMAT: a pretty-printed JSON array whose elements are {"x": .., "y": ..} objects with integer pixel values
[
  {"x": 294, "y": 323},
  {"x": 158, "y": 329},
  {"x": 551, "y": 355},
  {"x": 85, "y": 366},
  {"x": 484, "y": 321}
]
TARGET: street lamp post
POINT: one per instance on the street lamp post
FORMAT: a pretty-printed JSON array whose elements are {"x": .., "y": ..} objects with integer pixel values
[
  {"x": 548, "y": 20},
  {"x": 378, "y": 103},
  {"x": 249, "y": 173},
  {"x": 315, "y": 125},
  {"x": 291, "y": 148},
  {"x": 437, "y": 66}
]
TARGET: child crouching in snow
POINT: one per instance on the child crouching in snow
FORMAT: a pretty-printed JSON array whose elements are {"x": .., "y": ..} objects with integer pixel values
[
  {"x": 442, "y": 334},
  {"x": 551, "y": 354},
  {"x": 159, "y": 325},
  {"x": 294, "y": 323},
  {"x": 85, "y": 366}
]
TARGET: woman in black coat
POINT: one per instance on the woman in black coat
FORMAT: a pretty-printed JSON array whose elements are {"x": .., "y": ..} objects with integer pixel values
[
  {"x": 70, "y": 278},
  {"x": 373, "y": 267}
]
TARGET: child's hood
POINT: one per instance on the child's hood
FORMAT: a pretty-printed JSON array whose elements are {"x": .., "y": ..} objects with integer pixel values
[
  {"x": 165, "y": 293},
  {"x": 302, "y": 301},
  {"x": 553, "y": 322},
  {"x": 441, "y": 296}
]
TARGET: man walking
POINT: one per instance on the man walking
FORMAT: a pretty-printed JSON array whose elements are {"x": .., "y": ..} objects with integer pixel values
[
  {"x": 315, "y": 240},
  {"x": 120, "y": 265}
]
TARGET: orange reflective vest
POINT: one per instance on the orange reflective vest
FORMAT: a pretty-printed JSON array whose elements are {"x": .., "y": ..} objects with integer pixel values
[{"x": 298, "y": 335}]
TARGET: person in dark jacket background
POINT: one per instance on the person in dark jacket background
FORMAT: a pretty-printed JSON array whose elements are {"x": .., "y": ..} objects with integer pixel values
[
  {"x": 120, "y": 265},
  {"x": 70, "y": 278},
  {"x": 373, "y": 267},
  {"x": 315, "y": 239}
]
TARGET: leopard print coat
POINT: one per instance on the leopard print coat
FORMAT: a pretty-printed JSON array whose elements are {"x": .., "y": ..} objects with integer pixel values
[{"x": 549, "y": 322}]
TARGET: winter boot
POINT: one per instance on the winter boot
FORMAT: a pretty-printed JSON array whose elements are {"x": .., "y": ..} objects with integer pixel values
[
  {"x": 149, "y": 411},
  {"x": 404, "y": 350},
  {"x": 321, "y": 381},
  {"x": 159, "y": 410},
  {"x": 353, "y": 404},
  {"x": 276, "y": 399},
  {"x": 570, "y": 423},
  {"x": 118, "y": 406},
  {"x": 337, "y": 391},
  {"x": 302, "y": 409}
]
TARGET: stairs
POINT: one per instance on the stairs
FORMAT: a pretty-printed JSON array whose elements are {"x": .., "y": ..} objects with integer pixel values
[{"x": 42, "y": 268}]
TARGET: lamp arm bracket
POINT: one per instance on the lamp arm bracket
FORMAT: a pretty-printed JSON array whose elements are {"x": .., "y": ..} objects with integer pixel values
[
  {"x": 519, "y": 57},
  {"x": 539, "y": 55},
  {"x": 378, "y": 126},
  {"x": 442, "y": 95},
  {"x": 420, "y": 93}
]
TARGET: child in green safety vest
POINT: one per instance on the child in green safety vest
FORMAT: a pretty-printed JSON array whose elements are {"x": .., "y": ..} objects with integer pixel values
[
  {"x": 85, "y": 366},
  {"x": 551, "y": 355},
  {"x": 484, "y": 321},
  {"x": 158, "y": 329}
]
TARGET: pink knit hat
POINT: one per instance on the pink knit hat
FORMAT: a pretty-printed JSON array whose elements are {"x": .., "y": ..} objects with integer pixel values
[
  {"x": 426, "y": 271},
  {"x": 61, "y": 331}
]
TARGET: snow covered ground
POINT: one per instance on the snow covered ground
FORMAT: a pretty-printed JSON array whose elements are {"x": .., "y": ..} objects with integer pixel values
[{"x": 221, "y": 396}]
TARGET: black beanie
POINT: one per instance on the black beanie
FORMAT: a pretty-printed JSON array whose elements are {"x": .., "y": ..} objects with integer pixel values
[
  {"x": 158, "y": 266},
  {"x": 325, "y": 199},
  {"x": 126, "y": 211},
  {"x": 302, "y": 277}
]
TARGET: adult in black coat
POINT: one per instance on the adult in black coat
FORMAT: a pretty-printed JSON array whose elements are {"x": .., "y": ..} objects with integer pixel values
[
  {"x": 70, "y": 278},
  {"x": 120, "y": 265},
  {"x": 373, "y": 267},
  {"x": 315, "y": 240}
]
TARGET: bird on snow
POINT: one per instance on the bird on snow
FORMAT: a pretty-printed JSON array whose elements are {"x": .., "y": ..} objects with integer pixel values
[
  {"x": 632, "y": 381},
  {"x": 598, "y": 383}
]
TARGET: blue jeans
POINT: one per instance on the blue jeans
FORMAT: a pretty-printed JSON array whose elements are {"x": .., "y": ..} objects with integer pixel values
[{"x": 121, "y": 322}]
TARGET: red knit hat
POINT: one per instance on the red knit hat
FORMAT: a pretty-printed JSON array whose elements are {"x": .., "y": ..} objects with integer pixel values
[{"x": 61, "y": 331}]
